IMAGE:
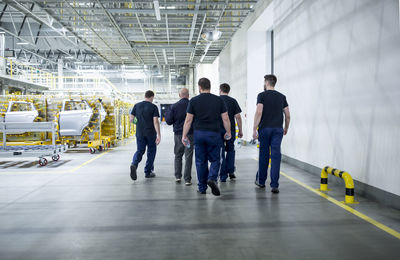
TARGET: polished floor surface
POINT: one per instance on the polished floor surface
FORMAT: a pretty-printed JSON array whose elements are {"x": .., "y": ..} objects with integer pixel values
[{"x": 88, "y": 208}]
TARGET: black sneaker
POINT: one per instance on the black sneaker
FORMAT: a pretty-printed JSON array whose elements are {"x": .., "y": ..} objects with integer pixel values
[
  {"x": 259, "y": 185},
  {"x": 133, "y": 173},
  {"x": 150, "y": 175},
  {"x": 178, "y": 180},
  {"x": 188, "y": 183},
  {"x": 232, "y": 176},
  {"x": 214, "y": 187},
  {"x": 201, "y": 192},
  {"x": 275, "y": 190}
]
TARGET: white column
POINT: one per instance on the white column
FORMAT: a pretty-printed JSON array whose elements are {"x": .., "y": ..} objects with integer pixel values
[
  {"x": 2, "y": 54},
  {"x": 60, "y": 74}
]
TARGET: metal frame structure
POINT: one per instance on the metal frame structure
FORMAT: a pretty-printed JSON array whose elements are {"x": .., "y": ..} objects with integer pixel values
[{"x": 120, "y": 32}]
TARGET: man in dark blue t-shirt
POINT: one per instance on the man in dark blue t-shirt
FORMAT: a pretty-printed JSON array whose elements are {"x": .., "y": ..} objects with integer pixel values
[
  {"x": 271, "y": 106},
  {"x": 228, "y": 147},
  {"x": 206, "y": 111},
  {"x": 147, "y": 134}
]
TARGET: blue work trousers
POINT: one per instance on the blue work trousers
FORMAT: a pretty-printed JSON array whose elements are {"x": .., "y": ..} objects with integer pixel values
[
  {"x": 270, "y": 140},
  {"x": 142, "y": 142},
  {"x": 207, "y": 146},
  {"x": 228, "y": 158}
]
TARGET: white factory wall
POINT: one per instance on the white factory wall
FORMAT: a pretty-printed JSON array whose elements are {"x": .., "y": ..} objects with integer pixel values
[
  {"x": 209, "y": 71},
  {"x": 338, "y": 64}
]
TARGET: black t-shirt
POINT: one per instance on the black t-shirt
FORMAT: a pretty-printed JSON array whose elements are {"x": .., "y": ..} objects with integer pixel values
[
  {"x": 233, "y": 108},
  {"x": 273, "y": 105},
  {"x": 145, "y": 112},
  {"x": 206, "y": 109}
]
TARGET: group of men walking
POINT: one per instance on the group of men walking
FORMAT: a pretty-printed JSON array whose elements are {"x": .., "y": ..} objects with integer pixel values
[{"x": 206, "y": 124}]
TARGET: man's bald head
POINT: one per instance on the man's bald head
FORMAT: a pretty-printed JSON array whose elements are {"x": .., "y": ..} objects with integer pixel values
[{"x": 184, "y": 93}]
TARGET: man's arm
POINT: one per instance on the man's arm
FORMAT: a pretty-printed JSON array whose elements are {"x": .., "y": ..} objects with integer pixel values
[
  {"x": 239, "y": 123},
  {"x": 257, "y": 119},
  {"x": 227, "y": 125},
  {"x": 157, "y": 127},
  {"x": 287, "y": 120},
  {"x": 169, "y": 118},
  {"x": 186, "y": 127},
  {"x": 131, "y": 118}
]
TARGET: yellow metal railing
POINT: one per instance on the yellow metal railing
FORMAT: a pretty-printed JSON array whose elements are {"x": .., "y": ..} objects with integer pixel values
[
  {"x": 348, "y": 180},
  {"x": 19, "y": 70}
]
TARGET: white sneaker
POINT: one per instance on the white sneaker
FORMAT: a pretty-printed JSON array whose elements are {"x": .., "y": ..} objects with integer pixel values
[
  {"x": 178, "y": 180},
  {"x": 188, "y": 183}
]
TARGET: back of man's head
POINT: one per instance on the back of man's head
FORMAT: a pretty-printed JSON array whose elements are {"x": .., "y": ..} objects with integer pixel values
[
  {"x": 270, "y": 79},
  {"x": 225, "y": 88},
  {"x": 149, "y": 94},
  {"x": 184, "y": 93},
  {"x": 204, "y": 84}
]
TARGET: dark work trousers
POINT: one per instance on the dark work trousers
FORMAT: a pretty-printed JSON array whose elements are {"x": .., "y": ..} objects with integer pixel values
[
  {"x": 270, "y": 140},
  {"x": 142, "y": 142},
  {"x": 228, "y": 158},
  {"x": 207, "y": 146},
  {"x": 179, "y": 151}
]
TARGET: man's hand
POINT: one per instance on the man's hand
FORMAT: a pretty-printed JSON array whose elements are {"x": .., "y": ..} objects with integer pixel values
[
  {"x": 184, "y": 138},
  {"x": 255, "y": 135},
  {"x": 240, "y": 134},
  {"x": 285, "y": 131},
  {"x": 227, "y": 136},
  {"x": 158, "y": 139}
]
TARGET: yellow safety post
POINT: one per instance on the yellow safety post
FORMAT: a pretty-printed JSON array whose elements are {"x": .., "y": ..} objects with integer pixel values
[{"x": 348, "y": 180}]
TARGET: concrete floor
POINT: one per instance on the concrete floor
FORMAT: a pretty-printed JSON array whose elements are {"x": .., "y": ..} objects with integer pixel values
[{"x": 94, "y": 211}]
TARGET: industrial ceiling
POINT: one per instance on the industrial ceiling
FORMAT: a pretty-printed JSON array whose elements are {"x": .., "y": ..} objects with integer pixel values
[{"x": 120, "y": 32}]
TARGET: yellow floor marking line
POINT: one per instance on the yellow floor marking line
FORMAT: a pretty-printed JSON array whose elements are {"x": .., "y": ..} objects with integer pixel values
[
  {"x": 87, "y": 162},
  {"x": 95, "y": 158},
  {"x": 345, "y": 207}
]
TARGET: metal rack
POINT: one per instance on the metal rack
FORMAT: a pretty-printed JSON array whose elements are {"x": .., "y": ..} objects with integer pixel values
[{"x": 26, "y": 150}]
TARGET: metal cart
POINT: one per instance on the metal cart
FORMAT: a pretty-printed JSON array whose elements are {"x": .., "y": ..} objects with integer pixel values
[{"x": 26, "y": 150}]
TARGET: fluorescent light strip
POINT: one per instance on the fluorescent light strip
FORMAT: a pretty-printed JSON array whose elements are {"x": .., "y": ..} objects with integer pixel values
[
  {"x": 205, "y": 52},
  {"x": 157, "y": 9},
  {"x": 165, "y": 56},
  {"x": 22, "y": 43}
]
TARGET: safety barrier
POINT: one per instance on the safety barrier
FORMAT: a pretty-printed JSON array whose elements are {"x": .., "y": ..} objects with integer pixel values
[{"x": 348, "y": 180}]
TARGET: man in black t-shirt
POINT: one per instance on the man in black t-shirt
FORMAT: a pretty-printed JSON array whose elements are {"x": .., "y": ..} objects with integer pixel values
[
  {"x": 271, "y": 105},
  {"x": 228, "y": 147},
  {"x": 147, "y": 134},
  {"x": 206, "y": 111}
]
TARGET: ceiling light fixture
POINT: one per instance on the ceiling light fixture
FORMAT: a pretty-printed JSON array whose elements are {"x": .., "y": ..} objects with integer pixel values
[
  {"x": 157, "y": 9},
  {"x": 211, "y": 36},
  {"x": 168, "y": 7},
  {"x": 68, "y": 57},
  {"x": 124, "y": 58},
  {"x": 22, "y": 43}
]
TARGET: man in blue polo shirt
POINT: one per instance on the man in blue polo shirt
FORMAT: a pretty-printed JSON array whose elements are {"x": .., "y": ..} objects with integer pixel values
[
  {"x": 206, "y": 111},
  {"x": 271, "y": 106},
  {"x": 176, "y": 116},
  {"x": 147, "y": 134}
]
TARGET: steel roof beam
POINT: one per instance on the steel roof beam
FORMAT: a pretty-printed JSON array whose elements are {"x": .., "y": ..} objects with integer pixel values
[{"x": 114, "y": 23}]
